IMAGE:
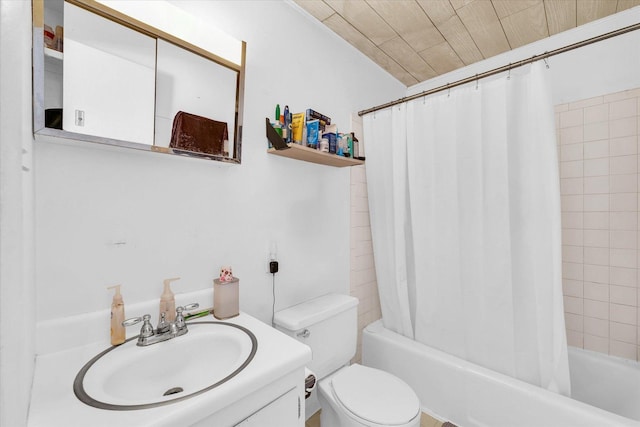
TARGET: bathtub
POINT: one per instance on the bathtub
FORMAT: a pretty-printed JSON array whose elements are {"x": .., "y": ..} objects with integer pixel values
[{"x": 606, "y": 390}]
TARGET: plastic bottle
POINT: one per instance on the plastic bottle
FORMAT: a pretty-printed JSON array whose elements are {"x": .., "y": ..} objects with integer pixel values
[
  {"x": 287, "y": 125},
  {"x": 168, "y": 301},
  {"x": 118, "y": 334},
  {"x": 276, "y": 123},
  {"x": 356, "y": 146}
]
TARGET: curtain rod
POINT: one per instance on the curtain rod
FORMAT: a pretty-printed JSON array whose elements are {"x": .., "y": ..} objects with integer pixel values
[{"x": 504, "y": 68}]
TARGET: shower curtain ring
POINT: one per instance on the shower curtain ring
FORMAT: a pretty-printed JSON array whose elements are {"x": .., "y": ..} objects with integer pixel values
[
  {"x": 448, "y": 90},
  {"x": 545, "y": 61},
  {"x": 509, "y": 74},
  {"x": 476, "y": 81}
]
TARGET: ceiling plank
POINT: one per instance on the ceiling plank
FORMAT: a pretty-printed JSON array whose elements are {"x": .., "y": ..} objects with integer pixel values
[
  {"x": 590, "y": 10},
  {"x": 526, "y": 26},
  {"x": 408, "y": 19},
  {"x": 403, "y": 54},
  {"x": 345, "y": 30},
  {"x": 365, "y": 19},
  {"x": 460, "y": 40},
  {"x": 457, "y": 4},
  {"x": 415, "y": 40},
  {"x": 439, "y": 11},
  {"x": 442, "y": 58},
  {"x": 505, "y": 8},
  {"x": 482, "y": 23},
  {"x": 561, "y": 15},
  {"x": 318, "y": 9}
]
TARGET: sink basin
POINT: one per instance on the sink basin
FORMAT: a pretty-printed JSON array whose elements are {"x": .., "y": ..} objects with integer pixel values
[{"x": 128, "y": 377}]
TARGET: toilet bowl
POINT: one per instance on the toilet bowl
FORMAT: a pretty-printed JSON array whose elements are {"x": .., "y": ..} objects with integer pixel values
[{"x": 357, "y": 396}]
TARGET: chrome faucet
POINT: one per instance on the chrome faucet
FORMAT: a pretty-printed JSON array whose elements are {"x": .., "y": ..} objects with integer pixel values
[{"x": 165, "y": 330}]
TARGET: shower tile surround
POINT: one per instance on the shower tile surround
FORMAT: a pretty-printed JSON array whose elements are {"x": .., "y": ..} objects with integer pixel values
[
  {"x": 599, "y": 185},
  {"x": 364, "y": 285}
]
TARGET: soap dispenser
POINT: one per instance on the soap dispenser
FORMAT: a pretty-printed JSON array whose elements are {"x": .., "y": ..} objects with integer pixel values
[
  {"x": 118, "y": 334},
  {"x": 168, "y": 301}
]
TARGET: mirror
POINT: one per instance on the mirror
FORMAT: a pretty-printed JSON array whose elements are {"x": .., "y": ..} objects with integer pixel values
[
  {"x": 108, "y": 74},
  {"x": 119, "y": 77}
]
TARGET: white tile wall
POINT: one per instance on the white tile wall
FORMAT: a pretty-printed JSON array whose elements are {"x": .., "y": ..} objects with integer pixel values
[
  {"x": 363, "y": 276},
  {"x": 599, "y": 181}
]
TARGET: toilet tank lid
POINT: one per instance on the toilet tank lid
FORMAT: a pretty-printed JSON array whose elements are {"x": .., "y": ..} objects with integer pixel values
[{"x": 313, "y": 311}]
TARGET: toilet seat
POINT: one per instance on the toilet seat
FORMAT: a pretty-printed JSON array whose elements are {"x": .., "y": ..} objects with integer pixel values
[{"x": 374, "y": 396}]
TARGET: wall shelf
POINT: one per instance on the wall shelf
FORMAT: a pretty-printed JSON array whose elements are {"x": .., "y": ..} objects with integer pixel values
[
  {"x": 54, "y": 54},
  {"x": 300, "y": 152},
  {"x": 307, "y": 154}
]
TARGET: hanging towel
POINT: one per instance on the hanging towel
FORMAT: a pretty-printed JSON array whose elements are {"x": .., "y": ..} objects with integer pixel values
[{"x": 198, "y": 134}]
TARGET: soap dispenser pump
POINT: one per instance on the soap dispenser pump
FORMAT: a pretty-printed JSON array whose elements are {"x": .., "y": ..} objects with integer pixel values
[
  {"x": 118, "y": 334},
  {"x": 168, "y": 301}
]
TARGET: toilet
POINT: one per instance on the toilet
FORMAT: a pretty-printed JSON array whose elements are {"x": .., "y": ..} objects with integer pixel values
[{"x": 349, "y": 395}]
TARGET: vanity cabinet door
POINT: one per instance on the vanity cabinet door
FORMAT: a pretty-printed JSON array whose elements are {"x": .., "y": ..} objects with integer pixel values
[{"x": 285, "y": 411}]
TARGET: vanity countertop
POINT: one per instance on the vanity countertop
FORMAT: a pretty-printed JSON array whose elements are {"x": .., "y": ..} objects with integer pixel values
[{"x": 53, "y": 402}]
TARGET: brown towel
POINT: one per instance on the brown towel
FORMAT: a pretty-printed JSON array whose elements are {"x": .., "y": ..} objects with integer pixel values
[{"x": 198, "y": 134}]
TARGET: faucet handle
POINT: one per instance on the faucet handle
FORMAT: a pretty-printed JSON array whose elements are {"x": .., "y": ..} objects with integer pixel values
[
  {"x": 132, "y": 321},
  {"x": 180, "y": 309},
  {"x": 188, "y": 307},
  {"x": 146, "y": 330},
  {"x": 180, "y": 324}
]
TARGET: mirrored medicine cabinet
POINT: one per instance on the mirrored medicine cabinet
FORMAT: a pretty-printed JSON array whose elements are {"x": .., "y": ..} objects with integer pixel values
[{"x": 119, "y": 73}]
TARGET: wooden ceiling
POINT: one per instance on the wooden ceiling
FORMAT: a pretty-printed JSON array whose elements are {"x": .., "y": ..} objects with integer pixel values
[{"x": 416, "y": 40}]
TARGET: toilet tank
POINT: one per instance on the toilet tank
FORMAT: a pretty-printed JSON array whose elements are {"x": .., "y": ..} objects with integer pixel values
[{"x": 328, "y": 324}]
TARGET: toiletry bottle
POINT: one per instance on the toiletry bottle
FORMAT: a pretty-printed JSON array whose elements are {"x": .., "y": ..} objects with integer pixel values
[
  {"x": 287, "y": 125},
  {"x": 284, "y": 131},
  {"x": 118, "y": 334},
  {"x": 278, "y": 129},
  {"x": 340, "y": 144},
  {"x": 168, "y": 301},
  {"x": 355, "y": 146}
]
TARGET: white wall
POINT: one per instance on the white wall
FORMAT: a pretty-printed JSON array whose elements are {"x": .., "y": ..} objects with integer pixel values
[
  {"x": 601, "y": 68},
  {"x": 17, "y": 291},
  {"x": 106, "y": 215}
]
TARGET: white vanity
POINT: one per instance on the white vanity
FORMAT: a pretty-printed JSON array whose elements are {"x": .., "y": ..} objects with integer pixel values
[{"x": 269, "y": 391}]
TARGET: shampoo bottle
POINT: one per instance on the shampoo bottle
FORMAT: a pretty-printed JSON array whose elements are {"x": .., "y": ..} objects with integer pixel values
[
  {"x": 168, "y": 301},
  {"x": 118, "y": 334}
]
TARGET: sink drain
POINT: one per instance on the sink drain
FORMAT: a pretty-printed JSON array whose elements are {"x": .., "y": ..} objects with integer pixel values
[{"x": 174, "y": 390}]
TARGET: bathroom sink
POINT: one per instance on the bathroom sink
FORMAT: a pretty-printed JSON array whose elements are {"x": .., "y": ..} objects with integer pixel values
[{"x": 128, "y": 377}]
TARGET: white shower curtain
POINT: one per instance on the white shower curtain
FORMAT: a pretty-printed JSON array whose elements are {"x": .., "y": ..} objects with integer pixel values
[{"x": 465, "y": 213}]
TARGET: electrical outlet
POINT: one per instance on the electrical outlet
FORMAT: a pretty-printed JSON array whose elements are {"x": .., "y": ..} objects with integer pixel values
[
  {"x": 79, "y": 118},
  {"x": 272, "y": 256}
]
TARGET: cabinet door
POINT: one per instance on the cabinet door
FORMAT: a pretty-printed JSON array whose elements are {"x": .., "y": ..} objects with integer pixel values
[
  {"x": 108, "y": 78},
  {"x": 285, "y": 411}
]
